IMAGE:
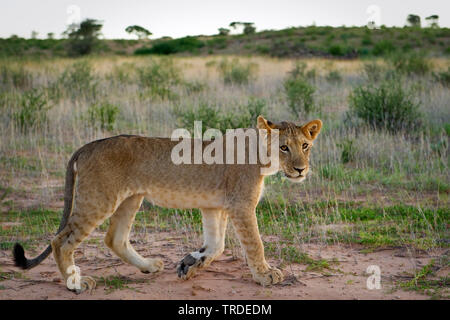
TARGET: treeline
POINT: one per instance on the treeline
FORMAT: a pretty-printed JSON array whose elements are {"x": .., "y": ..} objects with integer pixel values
[{"x": 343, "y": 42}]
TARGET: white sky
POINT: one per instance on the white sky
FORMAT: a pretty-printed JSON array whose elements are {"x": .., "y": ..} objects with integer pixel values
[{"x": 177, "y": 18}]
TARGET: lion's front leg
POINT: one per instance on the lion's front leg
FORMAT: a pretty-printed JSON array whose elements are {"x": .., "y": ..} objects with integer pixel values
[
  {"x": 245, "y": 223},
  {"x": 214, "y": 228}
]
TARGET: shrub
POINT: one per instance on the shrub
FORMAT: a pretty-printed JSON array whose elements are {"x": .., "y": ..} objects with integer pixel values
[
  {"x": 186, "y": 44},
  {"x": 234, "y": 72},
  {"x": 348, "y": 150},
  {"x": 443, "y": 77},
  {"x": 373, "y": 71},
  {"x": 299, "y": 92},
  {"x": 414, "y": 63},
  {"x": 299, "y": 71},
  {"x": 211, "y": 117},
  {"x": 159, "y": 77},
  {"x": 246, "y": 115},
  {"x": 31, "y": 111},
  {"x": 103, "y": 116},
  {"x": 122, "y": 73},
  {"x": 194, "y": 86},
  {"x": 366, "y": 40},
  {"x": 385, "y": 106},
  {"x": 217, "y": 43},
  {"x": 163, "y": 71},
  {"x": 11, "y": 77},
  {"x": 334, "y": 76},
  {"x": 383, "y": 47},
  {"x": 337, "y": 50},
  {"x": 255, "y": 107},
  {"x": 79, "y": 78}
]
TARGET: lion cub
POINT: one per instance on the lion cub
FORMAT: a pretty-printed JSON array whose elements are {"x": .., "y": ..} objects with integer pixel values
[{"x": 109, "y": 178}]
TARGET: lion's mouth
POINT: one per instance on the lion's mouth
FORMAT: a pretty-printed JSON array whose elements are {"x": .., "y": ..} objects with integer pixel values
[{"x": 300, "y": 176}]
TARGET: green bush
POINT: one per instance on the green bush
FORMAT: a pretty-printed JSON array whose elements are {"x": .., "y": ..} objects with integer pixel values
[
  {"x": 334, "y": 76},
  {"x": 373, "y": 71},
  {"x": 211, "y": 117},
  {"x": 413, "y": 63},
  {"x": 103, "y": 116},
  {"x": 246, "y": 116},
  {"x": 299, "y": 71},
  {"x": 194, "y": 86},
  {"x": 31, "y": 111},
  {"x": 366, "y": 40},
  {"x": 15, "y": 77},
  {"x": 387, "y": 105},
  {"x": 300, "y": 95},
  {"x": 78, "y": 79},
  {"x": 348, "y": 150},
  {"x": 337, "y": 50},
  {"x": 383, "y": 47},
  {"x": 236, "y": 73},
  {"x": 160, "y": 76},
  {"x": 217, "y": 43},
  {"x": 165, "y": 47},
  {"x": 443, "y": 77}
]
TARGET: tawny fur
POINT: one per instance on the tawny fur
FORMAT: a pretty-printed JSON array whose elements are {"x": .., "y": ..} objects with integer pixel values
[{"x": 114, "y": 175}]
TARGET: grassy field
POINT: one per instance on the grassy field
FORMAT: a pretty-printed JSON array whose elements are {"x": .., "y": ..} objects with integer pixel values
[{"x": 374, "y": 183}]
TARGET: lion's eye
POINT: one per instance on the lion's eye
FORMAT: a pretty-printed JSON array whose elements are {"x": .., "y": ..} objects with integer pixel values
[
  {"x": 284, "y": 148},
  {"x": 305, "y": 146}
]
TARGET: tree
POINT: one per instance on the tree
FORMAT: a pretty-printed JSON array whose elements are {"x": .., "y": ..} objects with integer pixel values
[
  {"x": 249, "y": 27},
  {"x": 413, "y": 20},
  {"x": 34, "y": 34},
  {"x": 224, "y": 31},
  {"x": 139, "y": 31},
  {"x": 83, "y": 37},
  {"x": 433, "y": 21},
  {"x": 50, "y": 35}
]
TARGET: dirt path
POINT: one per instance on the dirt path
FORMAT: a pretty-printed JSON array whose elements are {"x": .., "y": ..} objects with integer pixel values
[{"x": 227, "y": 278}]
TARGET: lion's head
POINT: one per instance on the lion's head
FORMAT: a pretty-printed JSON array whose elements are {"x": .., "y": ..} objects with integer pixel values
[{"x": 295, "y": 143}]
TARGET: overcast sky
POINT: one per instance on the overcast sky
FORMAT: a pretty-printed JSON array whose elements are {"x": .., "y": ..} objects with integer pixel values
[{"x": 177, "y": 18}]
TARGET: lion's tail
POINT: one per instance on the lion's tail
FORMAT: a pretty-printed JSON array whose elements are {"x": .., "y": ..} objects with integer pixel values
[{"x": 19, "y": 254}]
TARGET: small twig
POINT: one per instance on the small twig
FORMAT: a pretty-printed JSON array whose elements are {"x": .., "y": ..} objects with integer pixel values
[
  {"x": 324, "y": 276},
  {"x": 108, "y": 266}
]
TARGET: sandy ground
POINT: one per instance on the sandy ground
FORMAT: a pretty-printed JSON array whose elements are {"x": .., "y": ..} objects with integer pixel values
[{"x": 226, "y": 278}]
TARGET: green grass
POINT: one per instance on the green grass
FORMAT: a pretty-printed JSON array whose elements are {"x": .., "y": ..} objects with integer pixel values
[
  {"x": 32, "y": 228},
  {"x": 11, "y": 275},
  {"x": 292, "y": 254},
  {"x": 397, "y": 225},
  {"x": 113, "y": 283},
  {"x": 425, "y": 282}
]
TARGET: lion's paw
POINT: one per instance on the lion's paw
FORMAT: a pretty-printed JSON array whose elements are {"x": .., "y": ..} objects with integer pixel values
[
  {"x": 270, "y": 277},
  {"x": 86, "y": 284},
  {"x": 153, "y": 265},
  {"x": 187, "y": 267}
]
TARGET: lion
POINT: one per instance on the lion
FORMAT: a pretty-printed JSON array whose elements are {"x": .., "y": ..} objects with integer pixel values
[{"x": 109, "y": 178}]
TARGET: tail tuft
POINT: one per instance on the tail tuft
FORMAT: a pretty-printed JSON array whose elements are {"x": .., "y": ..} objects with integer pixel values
[{"x": 19, "y": 257}]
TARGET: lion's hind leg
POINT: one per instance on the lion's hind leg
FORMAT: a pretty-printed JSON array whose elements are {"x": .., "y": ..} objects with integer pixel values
[
  {"x": 64, "y": 245},
  {"x": 117, "y": 237}
]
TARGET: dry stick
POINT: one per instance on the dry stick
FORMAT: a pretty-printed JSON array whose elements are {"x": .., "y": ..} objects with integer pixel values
[{"x": 109, "y": 266}]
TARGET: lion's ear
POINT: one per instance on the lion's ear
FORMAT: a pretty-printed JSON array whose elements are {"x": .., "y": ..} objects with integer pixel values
[
  {"x": 311, "y": 129},
  {"x": 264, "y": 124}
]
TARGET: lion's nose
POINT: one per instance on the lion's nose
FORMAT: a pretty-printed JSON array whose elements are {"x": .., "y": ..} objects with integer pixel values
[{"x": 300, "y": 170}]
